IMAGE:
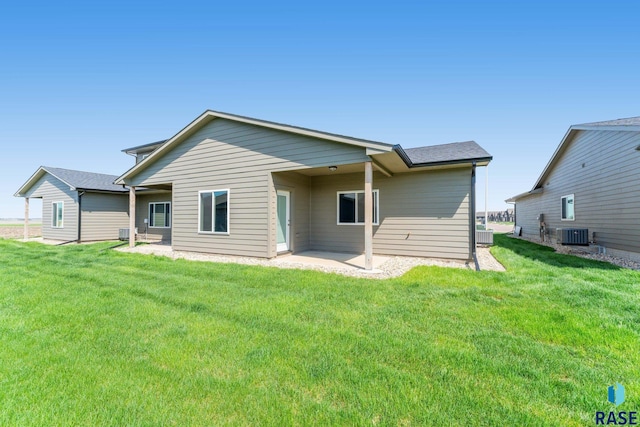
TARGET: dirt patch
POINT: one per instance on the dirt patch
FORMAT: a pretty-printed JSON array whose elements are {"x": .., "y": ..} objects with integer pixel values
[{"x": 17, "y": 232}]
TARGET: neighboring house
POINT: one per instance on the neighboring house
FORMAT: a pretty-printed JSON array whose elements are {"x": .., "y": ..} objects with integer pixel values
[
  {"x": 590, "y": 182},
  {"x": 229, "y": 184},
  {"x": 77, "y": 206},
  {"x": 496, "y": 216}
]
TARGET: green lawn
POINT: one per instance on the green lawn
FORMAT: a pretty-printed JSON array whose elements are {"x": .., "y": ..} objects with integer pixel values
[{"x": 90, "y": 336}]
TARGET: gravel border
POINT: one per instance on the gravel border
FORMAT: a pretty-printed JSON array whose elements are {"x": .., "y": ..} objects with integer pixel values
[
  {"x": 395, "y": 266},
  {"x": 488, "y": 261}
]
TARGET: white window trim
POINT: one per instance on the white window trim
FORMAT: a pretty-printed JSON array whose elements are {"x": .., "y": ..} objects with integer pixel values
[
  {"x": 574, "y": 207},
  {"x": 170, "y": 213},
  {"x": 224, "y": 233},
  {"x": 52, "y": 212},
  {"x": 377, "y": 207}
]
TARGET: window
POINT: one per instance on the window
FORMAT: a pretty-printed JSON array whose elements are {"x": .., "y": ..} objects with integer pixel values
[
  {"x": 214, "y": 211},
  {"x": 351, "y": 207},
  {"x": 57, "y": 215},
  {"x": 568, "y": 208},
  {"x": 160, "y": 215}
]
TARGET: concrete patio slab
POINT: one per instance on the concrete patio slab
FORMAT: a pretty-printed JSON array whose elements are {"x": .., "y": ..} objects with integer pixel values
[
  {"x": 328, "y": 262},
  {"x": 331, "y": 259}
]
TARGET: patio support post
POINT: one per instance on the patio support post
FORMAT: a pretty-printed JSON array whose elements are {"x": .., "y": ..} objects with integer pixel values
[
  {"x": 26, "y": 218},
  {"x": 132, "y": 217},
  {"x": 368, "y": 216}
]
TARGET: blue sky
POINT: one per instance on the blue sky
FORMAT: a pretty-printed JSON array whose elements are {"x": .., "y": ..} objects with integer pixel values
[{"x": 80, "y": 81}]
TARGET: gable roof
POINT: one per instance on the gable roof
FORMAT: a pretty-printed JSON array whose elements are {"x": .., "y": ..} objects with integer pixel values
[
  {"x": 631, "y": 124},
  {"x": 76, "y": 180},
  {"x": 209, "y": 115},
  {"x": 455, "y": 152}
]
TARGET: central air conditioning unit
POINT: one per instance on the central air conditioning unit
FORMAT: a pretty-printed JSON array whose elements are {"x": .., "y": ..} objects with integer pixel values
[
  {"x": 484, "y": 237},
  {"x": 123, "y": 233},
  {"x": 572, "y": 236}
]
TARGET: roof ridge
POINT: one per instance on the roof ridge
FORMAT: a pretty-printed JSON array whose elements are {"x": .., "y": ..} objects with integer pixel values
[
  {"x": 623, "y": 121},
  {"x": 78, "y": 170}
]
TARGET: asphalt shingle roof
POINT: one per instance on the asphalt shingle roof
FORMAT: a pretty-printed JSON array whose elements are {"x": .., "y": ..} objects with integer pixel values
[
  {"x": 455, "y": 151},
  {"x": 86, "y": 180},
  {"x": 629, "y": 121}
]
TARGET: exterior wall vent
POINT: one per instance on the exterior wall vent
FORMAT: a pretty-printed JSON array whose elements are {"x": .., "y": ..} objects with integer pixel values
[{"x": 572, "y": 236}]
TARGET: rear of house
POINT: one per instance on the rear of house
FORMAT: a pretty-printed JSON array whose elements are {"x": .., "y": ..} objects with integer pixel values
[
  {"x": 234, "y": 185},
  {"x": 591, "y": 182}
]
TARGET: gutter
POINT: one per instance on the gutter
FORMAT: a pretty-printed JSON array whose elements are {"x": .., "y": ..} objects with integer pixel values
[
  {"x": 472, "y": 219},
  {"x": 403, "y": 155},
  {"x": 453, "y": 162},
  {"x": 80, "y": 194}
]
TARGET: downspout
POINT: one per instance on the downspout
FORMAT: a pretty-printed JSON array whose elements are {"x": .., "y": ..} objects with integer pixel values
[
  {"x": 80, "y": 194},
  {"x": 472, "y": 220}
]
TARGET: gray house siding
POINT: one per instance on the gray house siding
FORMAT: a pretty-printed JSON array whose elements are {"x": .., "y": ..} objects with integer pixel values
[
  {"x": 142, "y": 213},
  {"x": 600, "y": 168},
  {"x": 52, "y": 190},
  {"x": 527, "y": 211},
  {"x": 421, "y": 214},
  {"x": 298, "y": 186},
  {"x": 240, "y": 157},
  {"x": 103, "y": 215}
]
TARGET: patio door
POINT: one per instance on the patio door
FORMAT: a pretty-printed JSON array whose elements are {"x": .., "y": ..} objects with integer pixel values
[{"x": 284, "y": 221}]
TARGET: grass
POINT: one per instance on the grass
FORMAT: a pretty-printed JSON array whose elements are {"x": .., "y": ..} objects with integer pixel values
[{"x": 90, "y": 336}]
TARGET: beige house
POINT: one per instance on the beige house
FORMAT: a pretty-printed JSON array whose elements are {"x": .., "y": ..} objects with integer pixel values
[
  {"x": 590, "y": 182},
  {"x": 229, "y": 184}
]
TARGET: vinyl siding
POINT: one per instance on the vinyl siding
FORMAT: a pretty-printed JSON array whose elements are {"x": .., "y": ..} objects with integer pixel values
[
  {"x": 527, "y": 211},
  {"x": 298, "y": 186},
  {"x": 142, "y": 213},
  {"x": 50, "y": 189},
  {"x": 421, "y": 214},
  {"x": 605, "y": 189},
  {"x": 141, "y": 156},
  {"x": 103, "y": 215},
  {"x": 229, "y": 155}
]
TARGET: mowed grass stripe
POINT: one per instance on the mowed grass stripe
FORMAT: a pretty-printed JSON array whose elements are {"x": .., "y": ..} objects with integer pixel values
[{"x": 90, "y": 336}]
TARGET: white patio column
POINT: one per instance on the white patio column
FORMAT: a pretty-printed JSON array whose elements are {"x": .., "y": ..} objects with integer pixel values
[
  {"x": 26, "y": 218},
  {"x": 132, "y": 217},
  {"x": 368, "y": 216}
]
